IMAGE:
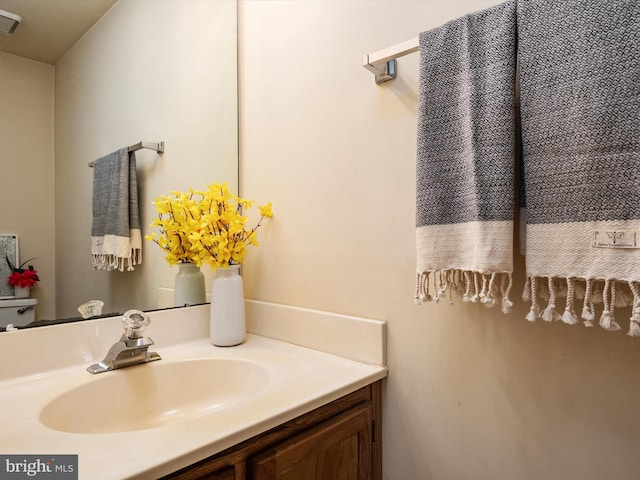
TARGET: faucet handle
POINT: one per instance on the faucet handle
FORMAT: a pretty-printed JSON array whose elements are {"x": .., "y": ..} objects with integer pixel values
[{"x": 134, "y": 322}]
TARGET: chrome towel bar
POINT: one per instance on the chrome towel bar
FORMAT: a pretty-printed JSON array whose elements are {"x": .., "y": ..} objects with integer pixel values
[{"x": 158, "y": 147}]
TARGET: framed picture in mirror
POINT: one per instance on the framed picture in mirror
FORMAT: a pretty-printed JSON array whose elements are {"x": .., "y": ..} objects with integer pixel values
[{"x": 8, "y": 254}]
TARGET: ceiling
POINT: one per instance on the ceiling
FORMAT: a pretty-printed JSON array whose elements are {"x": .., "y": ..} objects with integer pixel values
[{"x": 50, "y": 28}]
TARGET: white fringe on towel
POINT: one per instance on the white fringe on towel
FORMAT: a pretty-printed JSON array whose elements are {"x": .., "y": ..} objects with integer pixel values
[
  {"x": 470, "y": 286},
  {"x": 126, "y": 252},
  {"x": 610, "y": 293}
]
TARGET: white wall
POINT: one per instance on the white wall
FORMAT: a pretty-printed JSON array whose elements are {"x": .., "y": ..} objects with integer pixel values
[
  {"x": 26, "y": 156},
  {"x": 147, "y": 71},
  {"x": 471, "y": 393}
]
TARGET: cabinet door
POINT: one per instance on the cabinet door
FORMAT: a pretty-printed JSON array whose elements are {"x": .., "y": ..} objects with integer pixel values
[
  {"x": 338, "y": 449},
  {"x": 205, "y": 471},
  {"x": 226, "y": 474}
]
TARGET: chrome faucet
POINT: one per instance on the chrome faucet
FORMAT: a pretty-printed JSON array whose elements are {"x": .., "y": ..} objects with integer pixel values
[{"x": 132, "y": 348}]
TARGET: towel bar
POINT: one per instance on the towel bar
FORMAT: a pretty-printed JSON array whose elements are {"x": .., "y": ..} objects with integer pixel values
[{"x": 158, "y": 147}]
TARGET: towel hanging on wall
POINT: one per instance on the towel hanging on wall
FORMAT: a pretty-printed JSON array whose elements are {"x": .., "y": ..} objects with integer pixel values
[
  {"x": 465, "y": 157},
  {"x": 580, "y": 103},
  {"x": 116, "y": 238}
]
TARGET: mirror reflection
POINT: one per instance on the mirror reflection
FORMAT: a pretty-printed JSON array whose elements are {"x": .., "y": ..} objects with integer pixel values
[{"x": 152, "y": 71}]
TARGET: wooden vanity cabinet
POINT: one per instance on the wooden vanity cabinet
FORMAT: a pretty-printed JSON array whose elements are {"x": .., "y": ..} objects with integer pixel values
[{"x": 338, "y": 441}]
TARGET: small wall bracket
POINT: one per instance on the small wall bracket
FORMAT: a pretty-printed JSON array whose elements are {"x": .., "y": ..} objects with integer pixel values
[
  {"x": 383, "y": 73},
  {"x": 383, "y": 63}
]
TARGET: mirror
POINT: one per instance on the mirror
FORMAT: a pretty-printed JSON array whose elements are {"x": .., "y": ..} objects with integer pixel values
[{"x": 158, "y": 70}]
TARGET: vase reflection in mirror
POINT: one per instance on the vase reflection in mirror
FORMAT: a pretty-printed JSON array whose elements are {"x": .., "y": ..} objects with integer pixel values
[
  {"x": 189, "y": 286},
  {"x": 227, "y": 322}
]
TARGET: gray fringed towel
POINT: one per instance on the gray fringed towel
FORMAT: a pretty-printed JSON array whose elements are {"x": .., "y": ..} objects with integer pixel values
[
  {"x": 465, "y": 157},
  {"x": 116, "y": 238},
  {"x": 580, "y": 104}
]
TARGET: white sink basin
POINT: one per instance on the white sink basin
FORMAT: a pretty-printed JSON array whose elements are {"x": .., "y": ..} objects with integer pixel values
[{"x": 154, "y": 394}]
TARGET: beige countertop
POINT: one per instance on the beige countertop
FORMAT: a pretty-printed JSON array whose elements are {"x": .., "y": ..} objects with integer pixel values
[{"x": 296, "y": 379}]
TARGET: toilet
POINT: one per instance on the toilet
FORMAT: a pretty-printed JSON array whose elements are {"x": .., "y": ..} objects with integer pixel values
[{"x": 17, "y": 311}]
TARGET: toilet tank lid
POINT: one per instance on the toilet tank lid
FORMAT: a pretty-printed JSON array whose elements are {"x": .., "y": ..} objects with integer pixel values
[{"x": 18, "y": 302}]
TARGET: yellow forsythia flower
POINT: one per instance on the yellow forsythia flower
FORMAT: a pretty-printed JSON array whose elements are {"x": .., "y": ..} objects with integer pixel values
[
  {"x": 265, "y": 210},
  {"x": 205, "y": 227}
]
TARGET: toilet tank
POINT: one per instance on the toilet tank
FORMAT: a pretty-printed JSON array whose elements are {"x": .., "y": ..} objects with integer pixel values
[{"x": 19, "y": 311}]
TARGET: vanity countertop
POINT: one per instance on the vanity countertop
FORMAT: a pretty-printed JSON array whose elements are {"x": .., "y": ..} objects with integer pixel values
[{"x": 299, "y": 379}]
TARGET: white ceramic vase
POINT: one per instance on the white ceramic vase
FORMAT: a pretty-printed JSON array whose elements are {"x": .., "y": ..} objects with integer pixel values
[
  {"x": 21, "y": 292},
  {"x": 227, "y": 322},
  {"x": 189, "y": 286}
]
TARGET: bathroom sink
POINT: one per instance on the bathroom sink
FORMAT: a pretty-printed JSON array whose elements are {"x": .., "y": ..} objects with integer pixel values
[{"x": 154, "y": 395}]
